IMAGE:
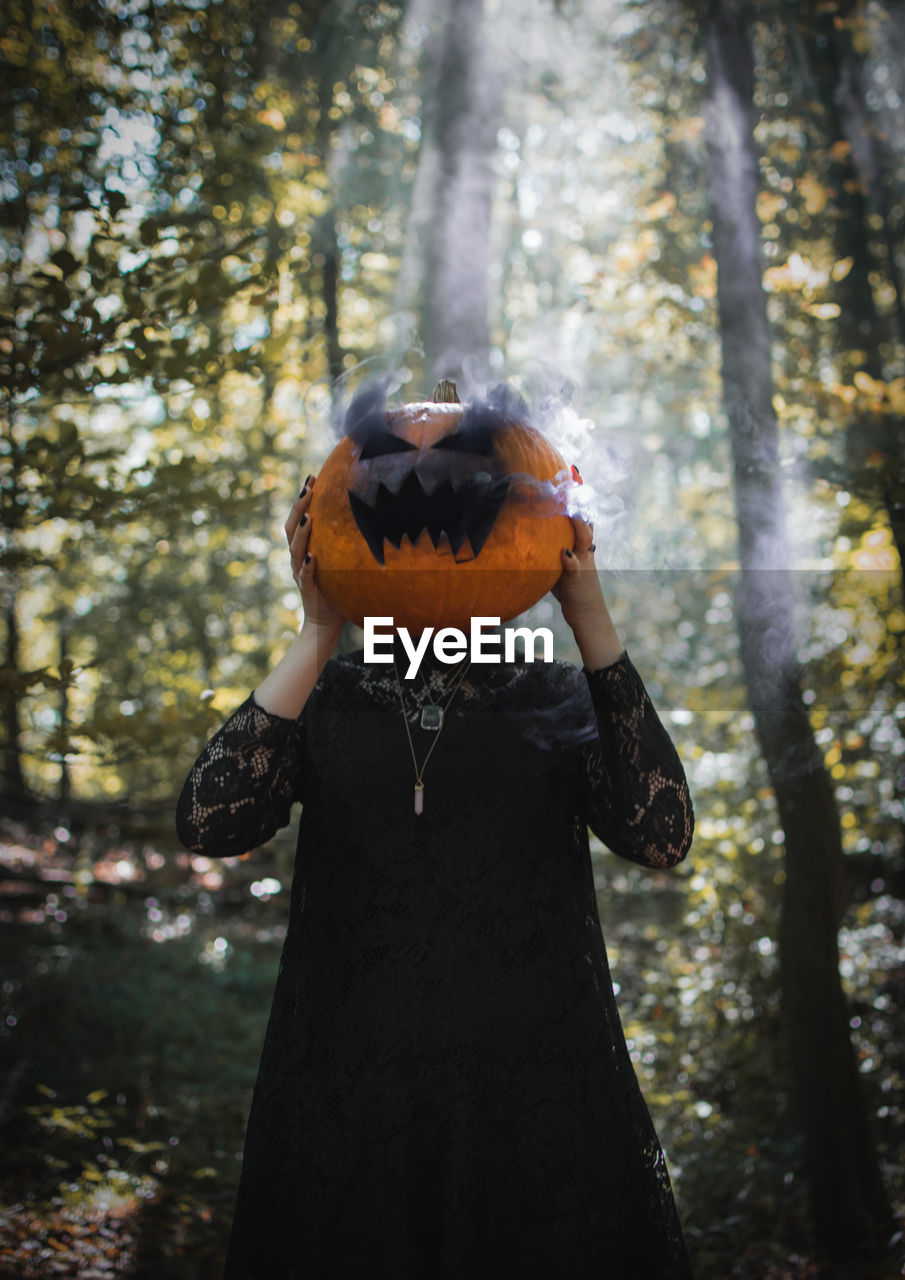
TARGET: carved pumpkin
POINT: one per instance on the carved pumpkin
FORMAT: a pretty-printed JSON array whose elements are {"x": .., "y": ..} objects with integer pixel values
[{"x": 437, "y": 512}]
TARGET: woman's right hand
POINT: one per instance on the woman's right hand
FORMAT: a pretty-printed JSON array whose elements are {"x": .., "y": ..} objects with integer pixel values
[{"x": 319, "y": 612}]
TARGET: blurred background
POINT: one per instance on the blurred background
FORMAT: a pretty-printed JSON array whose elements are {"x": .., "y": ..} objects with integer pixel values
[{"x": 677, "y": 232}]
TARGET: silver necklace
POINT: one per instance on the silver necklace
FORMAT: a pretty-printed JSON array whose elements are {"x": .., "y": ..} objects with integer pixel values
[
  {"x": 435, "y": 725},
  {"x": 431, "y": 712}
]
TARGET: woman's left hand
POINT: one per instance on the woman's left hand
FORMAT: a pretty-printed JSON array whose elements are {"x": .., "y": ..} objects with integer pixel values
[
  {"x": 583, "y": 605},
  {"x": 578, "y": 589}
]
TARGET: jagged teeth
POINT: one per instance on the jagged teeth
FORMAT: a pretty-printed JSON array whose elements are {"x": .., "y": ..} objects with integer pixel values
[
  {"x": 460, "y": 515},
  {"x": 393, "y": 480}
]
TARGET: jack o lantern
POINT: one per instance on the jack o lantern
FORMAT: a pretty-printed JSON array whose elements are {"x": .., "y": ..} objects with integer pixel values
[{"x": 438, "y": 512}]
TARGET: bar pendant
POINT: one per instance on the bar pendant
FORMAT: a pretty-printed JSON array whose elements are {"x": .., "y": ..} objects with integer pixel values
[
  {"x": 432, "y": 717},
  {"x": 419, "y": 798}
]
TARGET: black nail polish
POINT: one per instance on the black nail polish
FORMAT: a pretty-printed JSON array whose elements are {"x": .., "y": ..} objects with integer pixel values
[
  {"x": 308, "y": 559},
  {"x": 302, "y": 492},
  {"x": 304, "y": 520},
  {"x": 308, "y": 480},
  {"x": 569, "y": 554}
]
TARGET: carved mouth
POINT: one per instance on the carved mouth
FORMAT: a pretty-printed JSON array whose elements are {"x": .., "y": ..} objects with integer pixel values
[{"x": 463, "y": 516}]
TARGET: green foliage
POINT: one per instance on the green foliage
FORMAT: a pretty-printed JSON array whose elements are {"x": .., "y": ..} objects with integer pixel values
[{"x": 161, "y": 205}]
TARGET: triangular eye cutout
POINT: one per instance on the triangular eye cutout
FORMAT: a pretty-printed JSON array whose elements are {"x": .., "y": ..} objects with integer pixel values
[
  {"x": 476, "y": 432},
  {"x": 379, "y": 443},
  {"x": 479, "y": 441}
]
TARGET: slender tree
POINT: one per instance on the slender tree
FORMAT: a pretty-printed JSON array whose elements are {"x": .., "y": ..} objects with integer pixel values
[
  {"x": 858, "y": 170},
  {"x": 13, "y": 776},
  {"x": 849, "y": 1209},
  {"x": 446, "y": 270},
  {"x": 325, "y": 238},
  {"x": 873, "y": 341}
]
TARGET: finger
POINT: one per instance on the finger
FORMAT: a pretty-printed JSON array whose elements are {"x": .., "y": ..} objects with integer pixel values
[
  {"x": 308, "y": 570},
  {"x": 569, "y": 561},
  {"x": 299, "y": 540},
  {"x": 307, "y": 489},
  {"x": 295, "y": 517},
  {"x": 584, "y": 535},
  {"x": 299, "y": 507},
  {"x": 298, "y": 546}
]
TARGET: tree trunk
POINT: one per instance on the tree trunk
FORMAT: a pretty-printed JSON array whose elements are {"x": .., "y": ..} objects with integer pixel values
[
  {"x": 445, "y": 270},
  {"x": 325, "y": 231},
  {"x": 870, "y": 155},
  {"x": 856, "y": 174},
  {"x": 862, "y": 191},
  {"x": 65, "y": 784},
  {"x": 856, "y": 177},
  {"x": 848, "y": 1206},
  {"x": 14, "y": 787}
]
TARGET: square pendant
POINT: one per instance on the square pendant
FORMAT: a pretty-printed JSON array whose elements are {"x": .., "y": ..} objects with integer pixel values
[{"x": 432, "y": 717}]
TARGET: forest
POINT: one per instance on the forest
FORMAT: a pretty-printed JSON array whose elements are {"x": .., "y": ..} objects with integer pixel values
[{"x": 677, "y": 231}]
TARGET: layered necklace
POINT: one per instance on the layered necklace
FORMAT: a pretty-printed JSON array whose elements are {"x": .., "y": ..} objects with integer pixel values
[{"x": 433, "y": 716}]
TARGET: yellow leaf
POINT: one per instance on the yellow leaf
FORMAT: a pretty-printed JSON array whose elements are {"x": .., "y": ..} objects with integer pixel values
[
  {"x": 895, "y": 393},
  {"x": 273, "y": 117},
  {"x": 814, "y": 192},
  {"x": 842, "y": 268},
  {"x": 769, "y": 205},
  {"x": 630, "y": 254},
  {"x": 870, "y": 386},
  {"x": 884, "y": 558},
  {"x": 97, "y": 1095},
  {"x": 789, "y": 154},
  {"x": 15, "y": 51},
  {"x": 824, "y": 310},
  {"x": 141, "y": 1148},
  {"x": 688, "y": 130},
  {"x": 661, "y": 208},
  {"x": 861, "y": 40},
  {"x": 796, "y": 273},
  {"x": 703, "y": 277}
]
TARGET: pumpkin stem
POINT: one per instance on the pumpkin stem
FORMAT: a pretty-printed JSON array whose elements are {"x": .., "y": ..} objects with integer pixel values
[{"x": 445, "y": 392}]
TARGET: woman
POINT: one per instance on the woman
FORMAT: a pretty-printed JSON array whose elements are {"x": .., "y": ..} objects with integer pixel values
[{"x": 445, "y": 1089}]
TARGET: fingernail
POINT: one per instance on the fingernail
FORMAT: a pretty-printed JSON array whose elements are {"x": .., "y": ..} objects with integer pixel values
[
  {"x": 308, "y": 559},
  {"x": 304, "y": 520},
  {"x": 569, "y": 554},
  {"x": 302, "y": 492},
  {"x": 308, "y": 480}
]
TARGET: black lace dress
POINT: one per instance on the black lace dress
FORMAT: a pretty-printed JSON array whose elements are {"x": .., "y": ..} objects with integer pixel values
[{"x": 444, "y": 1089}]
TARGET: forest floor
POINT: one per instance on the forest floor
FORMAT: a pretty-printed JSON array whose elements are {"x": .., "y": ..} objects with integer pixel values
[{"x": 135, "y": 994}]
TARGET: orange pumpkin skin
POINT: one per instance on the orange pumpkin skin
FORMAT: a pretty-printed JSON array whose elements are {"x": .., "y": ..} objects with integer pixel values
[{"x": 420, "y": 584}]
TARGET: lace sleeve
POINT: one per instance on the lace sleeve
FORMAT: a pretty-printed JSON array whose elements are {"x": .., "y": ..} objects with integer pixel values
[
  {"x": 638, "y": 799},
  {"x": 242, "y": 786}
]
